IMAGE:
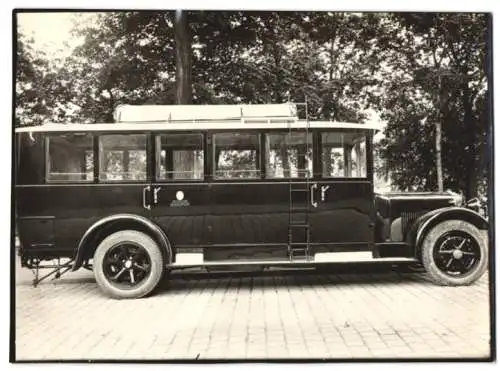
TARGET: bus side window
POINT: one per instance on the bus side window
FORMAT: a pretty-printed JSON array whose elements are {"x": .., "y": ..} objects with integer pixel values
[
  {"x": 236, "y": 156},
  {"x": 179, "y": 157},
  {"x": 343, "y": 155},
  {"x": 122, "y": 157},
  {"x": 70, "y": 158},
  {"x": 286, "y": 155}
]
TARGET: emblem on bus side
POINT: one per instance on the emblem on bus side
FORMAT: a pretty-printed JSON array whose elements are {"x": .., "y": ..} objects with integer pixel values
[{"x": 180, "y": 201}]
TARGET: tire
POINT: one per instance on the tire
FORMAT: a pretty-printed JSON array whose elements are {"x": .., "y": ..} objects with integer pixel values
[
  {"x": 441, "y": 263},
  {"x": 110, "y": 259}
]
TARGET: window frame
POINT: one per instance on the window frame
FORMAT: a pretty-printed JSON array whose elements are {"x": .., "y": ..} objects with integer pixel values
[
  {"x": 157, "y": 161},
  {"x": 368, "y": 148},
  {"x": 265, "y": 157},
  {"x": 258, "y": 156},
  {"x": 209, "y": 165},
  {"x": 46, "y": 162},
  {"x": 97, "y": 157}
]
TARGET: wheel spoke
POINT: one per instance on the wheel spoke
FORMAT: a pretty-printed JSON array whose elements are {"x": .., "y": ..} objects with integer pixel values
[
  {"x": 459, "y": 247},
  {"x": 116, "y": 276},
  {"x": 126, "y": 264},
  {"x": 456, "y": 253},
  {"x": 446, "y": 251},
  {"x": 140, "y": 267},
  {"x": 468, "y": 253}
]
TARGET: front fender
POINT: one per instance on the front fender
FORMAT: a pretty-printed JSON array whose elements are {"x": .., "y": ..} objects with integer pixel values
[
  {"x": 114, "y": 223},
  {"x": 426, "y": 222}
]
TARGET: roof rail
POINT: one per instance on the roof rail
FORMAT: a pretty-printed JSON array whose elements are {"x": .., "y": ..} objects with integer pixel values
[{"x": 197, "y": 113}]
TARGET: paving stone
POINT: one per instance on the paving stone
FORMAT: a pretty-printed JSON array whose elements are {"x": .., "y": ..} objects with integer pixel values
[{"x": 282, "y": 316}]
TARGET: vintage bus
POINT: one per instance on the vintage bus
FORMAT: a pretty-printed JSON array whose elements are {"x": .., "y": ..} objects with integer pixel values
[{"x": 168, "y": 187}]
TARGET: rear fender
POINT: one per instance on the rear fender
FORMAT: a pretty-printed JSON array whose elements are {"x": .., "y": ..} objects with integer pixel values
[{"x": 104, "y": 227}]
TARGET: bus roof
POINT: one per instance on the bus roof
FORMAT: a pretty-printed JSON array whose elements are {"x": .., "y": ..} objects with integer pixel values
[
  {"x": 195, "y": 125},
  {"x": 201, "y": 112}
]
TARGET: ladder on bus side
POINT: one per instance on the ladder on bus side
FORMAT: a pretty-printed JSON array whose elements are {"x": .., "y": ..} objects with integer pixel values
[{"x": 299, "y": 232}]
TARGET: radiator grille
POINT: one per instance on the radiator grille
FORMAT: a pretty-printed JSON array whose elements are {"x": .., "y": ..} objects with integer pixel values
[{"x": 407, "y": 219}]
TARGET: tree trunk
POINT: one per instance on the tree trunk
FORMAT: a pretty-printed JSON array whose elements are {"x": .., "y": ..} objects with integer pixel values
[
  {"x": 439, "y": 163},
  {"x": 441, "y": 116},
  {"x": 111, "y": 112},
  {"x": 184, "y": 92},
  {"x": 183, "y": 161},
  {"x": 471, "y": 169}
]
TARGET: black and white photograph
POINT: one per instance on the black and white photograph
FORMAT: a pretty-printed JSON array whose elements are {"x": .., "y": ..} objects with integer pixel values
[{"x": 202, "y": 186}]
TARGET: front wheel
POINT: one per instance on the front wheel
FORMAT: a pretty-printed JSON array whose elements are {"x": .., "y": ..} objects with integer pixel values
[
  {"x": 128, "y": 265},
  {"x": 455, "y": 253}
]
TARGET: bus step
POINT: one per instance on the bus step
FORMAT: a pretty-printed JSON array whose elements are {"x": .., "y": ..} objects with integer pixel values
[
  {"x": 296, "y": 254},
  {"x": 298, "y": 221},
  {"x": 299, "y": 225}
]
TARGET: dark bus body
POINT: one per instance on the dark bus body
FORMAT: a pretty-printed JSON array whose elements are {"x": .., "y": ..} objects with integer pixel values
[
  {"x": 228, "y": 218},
  {"x": 217, "y": 220}
]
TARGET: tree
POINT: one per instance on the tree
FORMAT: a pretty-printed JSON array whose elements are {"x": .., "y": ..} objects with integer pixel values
[
  {"x": 417, "y": 87},
  {"x": 183, "y": 54},
  {"x": 36, "y": 85}
]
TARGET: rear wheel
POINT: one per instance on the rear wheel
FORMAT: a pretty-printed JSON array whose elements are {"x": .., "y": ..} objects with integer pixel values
[
  {"x": 455, "y": 253},
  {"x": 128, "y": 264}
]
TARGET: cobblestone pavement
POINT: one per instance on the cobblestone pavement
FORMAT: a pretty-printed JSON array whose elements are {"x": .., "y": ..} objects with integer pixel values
[{"x": 255, "y": 316}]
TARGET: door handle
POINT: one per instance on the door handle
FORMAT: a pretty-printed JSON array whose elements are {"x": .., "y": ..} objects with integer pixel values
[
  {"x": 145, "y": 189},
  {"x": 323, "y": 192},
  {"x": 313, "y": 188},
  {"x": 155, "y": 195}
]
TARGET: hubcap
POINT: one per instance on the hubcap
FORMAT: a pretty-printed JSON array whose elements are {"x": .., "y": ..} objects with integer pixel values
[
  {"x": 126, "y": 265},
  {"x": 456, "y": 253}
]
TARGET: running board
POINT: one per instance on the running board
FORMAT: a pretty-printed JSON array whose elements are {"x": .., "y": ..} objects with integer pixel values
[{"x": 319, "y": 258}]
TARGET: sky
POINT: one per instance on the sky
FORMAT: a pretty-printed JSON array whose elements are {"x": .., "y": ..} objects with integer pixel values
[{"x": 51, "y": 32}]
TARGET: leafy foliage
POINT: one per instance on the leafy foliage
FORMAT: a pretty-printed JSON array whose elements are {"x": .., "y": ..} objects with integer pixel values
[{"x": 440, "y": 61}]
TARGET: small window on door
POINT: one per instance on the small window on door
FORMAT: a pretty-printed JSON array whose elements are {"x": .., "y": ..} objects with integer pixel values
[
  {"x": 179, "y": 157},
  {"x": 343, "y": 155},
  {"x": 123, "y": 157}
]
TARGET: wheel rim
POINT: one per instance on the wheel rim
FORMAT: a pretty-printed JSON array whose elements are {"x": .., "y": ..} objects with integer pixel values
[
  {"x": 126, "y": 265},
  {"x": 456, "y": 253}
]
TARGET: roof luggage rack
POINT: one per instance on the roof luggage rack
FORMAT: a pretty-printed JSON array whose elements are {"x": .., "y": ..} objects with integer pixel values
[{"x": 195, "y": 113}]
